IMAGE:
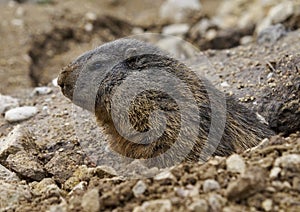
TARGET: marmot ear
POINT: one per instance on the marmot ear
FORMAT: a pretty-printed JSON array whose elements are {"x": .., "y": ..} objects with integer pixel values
[{"x": 130, "y": 53}]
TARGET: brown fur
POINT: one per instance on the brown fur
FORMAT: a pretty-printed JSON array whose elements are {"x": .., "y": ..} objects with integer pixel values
[{"x": 242, "y": 128}]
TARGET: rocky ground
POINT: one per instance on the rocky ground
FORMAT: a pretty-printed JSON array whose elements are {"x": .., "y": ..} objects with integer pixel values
[{"x": 53, "y": 157}]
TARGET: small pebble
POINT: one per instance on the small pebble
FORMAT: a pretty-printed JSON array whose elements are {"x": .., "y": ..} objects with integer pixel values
[
  {"x": 199, "y": 205},
  {"x": 20, "y": 113},
  {"x": 139, "y": 188},
  {"x": 41, "y": 91},
  {"x": 165, "y": 175},
  {"x": 176, "y": 29},
  {"x": 267, "y": 204},
  {"x": 235, "y": 163},
  {"x": 275, "y": 172},
  {"x": 210, "y": 185}
]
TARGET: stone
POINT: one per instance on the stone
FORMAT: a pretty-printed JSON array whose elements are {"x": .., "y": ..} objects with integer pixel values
[
  {"x": 271, "y": 34},
  {"x": 11, "y": 195},
  {"x": 178, "y": 11},
  {"x": 200, "y": 205},
  {"x": 165, "y": 175},
  {"x": 210, "y": 185},
  {"x": 26, "y": 165},
  {"x": 274, "y": 173},
  {"x": 159, "y": 205},
  {"x": 139, "y": 188},
  {"x": 18, "y": 139},
  {"x": 41, "y": 187},
  {"x": 62, "y": 165},
  {"x": 216, "y": 202},
  {"x": 290, "y": 161},
  {"x": 250, "y": 182},
  {"x": 90, "y": 201},
  {"x": 7, "y": 175},
  {"x": 7, "y": 103},
  {"x": 20, "y": 113},
  {"x": 267, "y": 204},
  {"x": 176, "y": 29},
  {"x": 41, "y": 91},
  {"x": 177, "y": 47},
  {"x": 235, "y": 163}
]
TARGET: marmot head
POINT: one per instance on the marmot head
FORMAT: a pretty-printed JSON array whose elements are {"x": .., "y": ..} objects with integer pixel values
[{"x": 80, "y": 79}]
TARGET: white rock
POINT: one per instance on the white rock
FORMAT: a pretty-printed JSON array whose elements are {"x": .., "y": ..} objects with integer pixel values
[
  {"x": 291, "y": 161},
  {"x": 281, "y": 12},
  {"x": 41, "y": 90},
  {"x": 178, "y": 11},
  {"x": 7, "y": 102},
  {"x": 216, "y": 202},
  {"x": 137, "y": 30},
  {"x": 210, "y": 185},
  {"x": 176, "y": 29},
  {"x": 199, "y": 205},
  {"x": 177, "y": 47},
  {"x": 54, "y": 82},
  {"x": 20, "y": 113},
  {"x": 235, "y": 163},
  {"x": 267, "y": 204},
  {"x": 274, "y": 173},
  {"x": 246, "y": 40},
  {"x": 271, "y": 34},
  {"x": 162, "y": 205},
  {"x": 7, "y": 175},
  {"x": 90, "y": 201},
  {"x": 165, "y": 175},
  {"x": 225, "y": 84},
  {"x": 11, "y": 195},
  {"x": 90, "y": 16},
  {"x": 139, "y": 188},
  {"x": 18, "y": 139},
  {"x": 88, "y": 27}
]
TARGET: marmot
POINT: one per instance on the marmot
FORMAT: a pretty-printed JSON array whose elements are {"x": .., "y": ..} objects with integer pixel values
[{"x": 95, "y": 82}]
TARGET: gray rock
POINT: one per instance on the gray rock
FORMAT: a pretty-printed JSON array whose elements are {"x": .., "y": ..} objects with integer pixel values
[
  {"x": 199, "y": 205},
  {"x": 160, "y": 205},
  {"x": 7, "y": 103},
  {"x": 20, "y": 113},
  {"x": 250, "y": 182},
  {"x": 290, "y": 161},
  {"x": 210, "y": 185},
  {"x": 11, "y": 195},
  {"x": 26, "y": 165},
  {"x": 177, "y": 47},
  {"x": 139, "y": 188},
  {"x": 274, "y": 173},
  {"x": 176, "y": 29},
  {"x": 235, "y": 163},
  {"x": 165, "y": 175},
  {"x": 178, "y": 11},
  {"x": 216, "y": 202},
  {"x": 267, "y": 204},
  {"x": 90, "y": 201},
  {"x": 42, "y": 90},
  {"x": 6, "y": 175},
  {"x": 18, "y": 139},
  {"x": 271, "y": 34}
]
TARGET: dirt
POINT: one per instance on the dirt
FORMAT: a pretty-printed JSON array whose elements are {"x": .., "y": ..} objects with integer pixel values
[{"x": 37, "y": 40}]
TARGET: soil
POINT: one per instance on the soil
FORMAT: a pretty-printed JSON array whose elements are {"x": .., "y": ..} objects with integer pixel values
[{"x": 37, "y": 40}]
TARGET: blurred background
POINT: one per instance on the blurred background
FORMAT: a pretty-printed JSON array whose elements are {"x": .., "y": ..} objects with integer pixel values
[{"x": 39, "y": 37}]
